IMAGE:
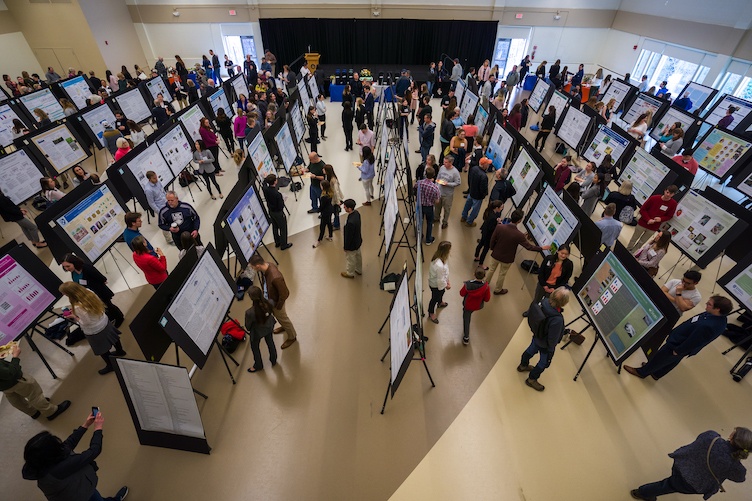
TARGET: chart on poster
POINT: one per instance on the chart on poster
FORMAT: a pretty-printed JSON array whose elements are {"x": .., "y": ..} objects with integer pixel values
[
  {"x": 60, "y": 148},
  {"x": 219, "y": 100},
  {"x": 259, "y": 153},
  {"x": 176, "y": 149},
  {"x": 498, "y": 146},
  {"x": 7, "y": 115},
  {"x": 150, "y": 160},
  {"x": 157, "y": 86},
  {"x": 645, "y": 172},
  {"x": 573, "y": 127},
  {"x": 617, "y": 91},
  {"x": 524, "y": 176},
  {"x": 22, "y": 299},
  {"x": 95, "y": 223},
  {"x": 248, "y": 222},
  {"x": 606, "y": 142},
  {"x": 44, "y": 100},
  {"x": 78, "y": 90},
  {"x": 550, "y": 221},
  {"x": 201, "y": 304},
  {"x": 20, "y": 176},
  {"x": 133, "y": 105},
  {"x": 719, "y": 152},
  {"x": 94, "y": 119},
  {"x": 191, "y": 120},
  {"x": 286, "y": 146}
]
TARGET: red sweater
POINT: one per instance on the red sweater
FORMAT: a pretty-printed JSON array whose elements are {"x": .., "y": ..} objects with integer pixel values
[
  {"x": 209, "y": 137},
  {"x": 154, "y": 268},
  {"x": 475, "y": 292},
  {"x": 654, "y": 207}
]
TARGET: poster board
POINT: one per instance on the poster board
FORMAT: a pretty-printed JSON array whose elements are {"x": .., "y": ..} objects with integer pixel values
[
  {"x": 642, "y": 103},
  {"x": 539, "y": 95},
  {"x": 240, "y": 86},
  {"x": 720, "y": 153},
  {"x": 649, "y": 175},
  {"x": 146, "y": 158},
  {"x": 618, "y": 91},
  {"x": 391, "y": 207},
  {"x": 44, "y": 100},
  {"x": 298, "y": 123},
  {"x": 743, "y": 181},
  {"x": 459, "y": 91},
  {"x": 175, "y": 146},
  {"x": 400, "y": 334},
  {"x": 499, "y": 146},
  {"x": 313, "y": 88},
  {"x": 738, "y": 282},
  {"x": 470, "y": 102},
  {"x": 92, "y": 121},
  {"x": 550, "y": 222},
  {"x": 525, "y": 175},
  {"x": 481, "y": 120},
  {"x": 162, "y": 405},
  {"x": 58, "y": 147},
  {"x": 560, "y": 101},
  {"x": 668, "y": 118},
  {"x": 218, "y": 99},
  {"x": 246, "y": 224},
  {"x": 623, "y": 304},
  {"x": 131, "y": 103},
  {"x": 305, "y": 98},
  {"x": 155, "y": 87},
  {"x": 20, "y": 174},
  {"x": 718, "y": 111},
  {"x": 573, "y": 127},
  {"x": 608, "y": 141},
  {"x": 7, "y": 115},
  {"x": 700, "y": 95},
  {"x": 195, "y": 314},
  {"x": 701, "y": 230},
  {"x": 77, "y": 90},
  {"x": 259, "y": 154},
  {"x": 288, "y": 149},
  {"x": 27, "y": 288},
  {"x": 191, "y": 119}
]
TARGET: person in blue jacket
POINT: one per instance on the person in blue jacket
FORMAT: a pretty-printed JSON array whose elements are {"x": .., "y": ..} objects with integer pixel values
[{"x": 688, "y": 339}]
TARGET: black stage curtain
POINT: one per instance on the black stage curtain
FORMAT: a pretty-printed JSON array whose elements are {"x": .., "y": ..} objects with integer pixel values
[{"x": 380, "y": 41}]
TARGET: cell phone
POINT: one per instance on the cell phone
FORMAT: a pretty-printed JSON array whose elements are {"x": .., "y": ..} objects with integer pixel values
[{"x": 94, "y": 411}]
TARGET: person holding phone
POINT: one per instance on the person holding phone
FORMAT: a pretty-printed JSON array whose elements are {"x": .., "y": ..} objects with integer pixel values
[{"x": 62, "y": 474}]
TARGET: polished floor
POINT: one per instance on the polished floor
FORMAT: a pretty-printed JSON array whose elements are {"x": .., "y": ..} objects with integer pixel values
[{"x": 310, "y": 428}]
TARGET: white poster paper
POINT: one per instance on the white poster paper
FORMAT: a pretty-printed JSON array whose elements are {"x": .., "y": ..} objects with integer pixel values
[
  {"x": 668, "y": 119},
  {"x": 304, "y": 97},
  {"x": 133, "y": 106},
  {"x": 459, "y": 91},
  {"x": 642, "y": 104},
  {"x": 468, "y": 106},
  {"x": 22, "y": 299},
  {"x": 60, "y": 148},
  {"x": 7, "y": 115},
  {"x": 94, "y": 119},
  {"x": 746, "y": 186},
  {"x": 559, "y": 101},
  {"x": 298, "y": 124},
  {"x": 240, "y": 86},
  {"x": 573, "y": 127},
  {"x": 259, "y": 153},
  {"x": 248, "y": 222},
  {"x": 150, "y": 159},
  {"x": 698, "y": 94},
  {"x": 313, "y": 88},
  {"x": 78, "y": 90},
  {"x": 191, "y": 119},
  {"x": 286, "y": 146},
  {"x": 20, "y": 177},
  {"x": 538, "y": 95},
  {"x": 400, "y": 329},
  {"x": 498, "y": 146},
  {"x": 522, "y": 175},
  {"x": 551, "y": 222},
  {"x": 617, "y": 91},
  {"x": 720, "y": 109},
  {"x": 646, "y": 173},
  {"x": 44, "y": 100},
  {"x": 741, "y": 287},
  {"x": 481, "y": 119},
  {"x": 606, "y": 142},
  {"x": 157, "y": 86},
  {"x": 176, "y": 149},
  {"x": 219, "y": 100}
]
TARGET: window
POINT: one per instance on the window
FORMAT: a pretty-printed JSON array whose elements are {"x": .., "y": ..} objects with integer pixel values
[
  {"x": 236, "y": 47},
  {"x": 744, "y": 90},
  {"x": 508, "y": 52},
  {"x": 729, "y": 83},
  {"x": 676, "y": 65}
]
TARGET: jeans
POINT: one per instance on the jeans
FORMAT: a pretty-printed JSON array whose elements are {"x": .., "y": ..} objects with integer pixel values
[
  {"x": 436, "y": 296},
  {"x": 472, "y": 206},
  {"x": 428, "y": 214},
  {"x": 315, "y": 192},
  {"x": 430, "y": 88},
  {"x": 241, "y": 142},
  {"x": 543, "y": 362},
  {"x": 258, "y": 363},
  {"x": 425, "y": 150},
  {"x": 466, "y": 314},
  {"x": 335, "y": 216},
  {"x": 674, "y": 483}
]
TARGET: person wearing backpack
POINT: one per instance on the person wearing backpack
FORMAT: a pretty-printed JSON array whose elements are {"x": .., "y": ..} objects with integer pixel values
[
  {"x": 547, "y": 323},
  {"x": 503, "y": 189},
  {"x": 625, "y": 202},
  {"x": 610, "y": 227},
  {"x": 475, "y": 293}
]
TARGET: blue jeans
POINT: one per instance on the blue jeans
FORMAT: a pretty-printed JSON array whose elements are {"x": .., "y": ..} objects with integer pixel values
[
  {"x": 315, "y": 192},
  {"x": 674, "y": 483},
  {"x": 428, "y": 214},
  {"x": 98, "y": 497},
  {"x": 542, "y": 363},
  {"x": 473, "y": 207},
  {"x": 430, "y": 88},
  {"x": 425, "y": 149}
]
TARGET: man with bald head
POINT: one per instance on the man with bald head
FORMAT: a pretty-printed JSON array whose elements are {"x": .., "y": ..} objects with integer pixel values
[{"x": 316, "y": 169}]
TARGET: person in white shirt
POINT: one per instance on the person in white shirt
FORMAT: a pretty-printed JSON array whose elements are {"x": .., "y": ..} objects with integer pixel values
[
  {"x": 683, "y": 293},
  {"x": 643, "y": 84},
  {"x": 321, "y": 115},
  {"x": 438, "y": 279}
]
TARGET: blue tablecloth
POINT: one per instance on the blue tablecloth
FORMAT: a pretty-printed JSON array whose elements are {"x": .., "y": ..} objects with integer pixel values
[
  {"x": 529, "y": 83},
  {"x": 335, "y": 93}
]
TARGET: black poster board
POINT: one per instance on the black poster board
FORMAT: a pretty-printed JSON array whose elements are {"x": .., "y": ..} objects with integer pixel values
[
  {"x": 652, "y": 174},
  {"x": 573, "y": 127},
  {"x": 700, "y": 95},
  {"x": 643, "y": 103},
  {"x": 588, "y": 236},
  {"x": 721, "y": 153},
  {"x": 539, "y": 95},
  {"x": 739, "y": 247},
  {"x": 246, "y": 223},
  {"x": 668, "y": 117},
  {"x": 612, "y": 140},
  {"x": 525, "y": 174},
  {"x": 90, "y": 121},
  {"x": 75, "y": 89},
  {"x": 133, "y": 105},
  {"x": 621, "y": 92},
  {"x": 550, "y": 221},
  {"x": 400, "y": 333},
  {"x": 8, "y": 111},
  {"x": 58, "y": 147},
  {"x": 540, "y": 160},
  {"x": 742, "y": 115},
  {"x": 736, "y": 281}
]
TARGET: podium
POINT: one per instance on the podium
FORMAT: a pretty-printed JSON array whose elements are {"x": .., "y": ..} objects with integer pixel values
[{"x": 312, "y": 58}]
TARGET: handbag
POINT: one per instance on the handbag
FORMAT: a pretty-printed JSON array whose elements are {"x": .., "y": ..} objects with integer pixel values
[{"x": 707, "y": 460}]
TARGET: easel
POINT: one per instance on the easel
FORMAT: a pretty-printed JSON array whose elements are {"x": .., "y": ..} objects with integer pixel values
[
  {"x": 222, "y": 352},
  {"x": 114, "y": 259},
  {"x": 598, "y": 336},
  {"x": 38, "y": 327}
]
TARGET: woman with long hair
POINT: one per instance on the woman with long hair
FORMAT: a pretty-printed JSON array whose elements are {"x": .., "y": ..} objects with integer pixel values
[
  {"x": 192, "y": 91},
  {"x": 327, "y": 210},
  {"x": 338, "y": 197},
  {"x": 547, "y": 125},
  {"x": 360, "y": 112},
  {"x": 592, "y": 194},
  {"x": 313, "y": 128},
  {"x": 125, "y": 72},
  {"x": 42, "y": 117},
  {"x": 206, "y": 167},
  {"x": 153, "y": 264},
  {"x": 490, "y": 220},
  {"x": 224, "y": 124},
  {"x": 623, "y": 199},
  {"x": 554, "y": 272},
  {"x": 639, "y": 128},
  {"x": 49, "y": 191},
  {"x": 187, "y": 241},
  {"x": 180, "y": 68},
  {"x": 607, "y": 169},
  {"x": 96, "y": 282},
  {"x": 259, "y": 321},
  {"x": 367, "y": 173},
  {"x": 138, "y": 136},
  {"x": 68, "y": 107},
  {"x": 89, "y": 312},
  {"x": 649, "y": 255},
  {"x": 112, "y": 80},
  {"x": 438, "y": 278},
  {"x": 238, "y": 127},
  {"x": 210, "y": 142},
  {"x": 18, "y": 129},
  {"x": 347, "y": 124}
]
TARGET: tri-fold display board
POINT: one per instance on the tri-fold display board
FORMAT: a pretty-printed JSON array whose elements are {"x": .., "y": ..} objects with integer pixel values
[
  {"x": 550, "y": 221},
  {"x": 20, "y": 174}
]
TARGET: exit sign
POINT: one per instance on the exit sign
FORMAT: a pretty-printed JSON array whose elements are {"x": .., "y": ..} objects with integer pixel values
[
  {"x": 233, "y": 13},
  {"x": 518, "y": 16}
]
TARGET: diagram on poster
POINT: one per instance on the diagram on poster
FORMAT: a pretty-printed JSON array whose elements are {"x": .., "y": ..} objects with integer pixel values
[
  {"x": 550, "y": 222},
  {"x": 248, "y": 223},
  {"x": 7, "y": 115},
  {"x": 617, "y": 91},
  {"x": 133, "y": 106},
  {"x": 150, "y": 160},
  {"x": 20, "y": 177},
  {"x": 286, "y": 146},
  {"x": 22, "y": 299},
  {"x": 176, "y": 149},
  {"x": 573, "y": 127},
  {"x": 646, "y": 174},
  {"x": 540, "y": 91},
  {"x": 95, "y": 223},
  {"x": 468, "y": 106},
  {"x": 642, "y": 104},
  {"x": 498, "y": 146},
  {"x": 60, "y": 148},
  {"x": 719, "y": 152},
  {"x": 191, "y": 120},
  {"x": 44, "y": 100},
  {"x": 78, "y": 90},
  {"x": 94, "y": 119},
  {"x": 400, "y": 329},
  {"x": 606, "y": 142},
  {"x": 668, "y": 119},
  {"x": 219, "y": 100},
  {"x": 524, "y": 176},
  {"x": 259, "y": 153},
  {"x": 157, "y": 86}
]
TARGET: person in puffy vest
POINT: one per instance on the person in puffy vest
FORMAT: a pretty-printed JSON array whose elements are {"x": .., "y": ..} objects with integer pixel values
[{"x": 476, "y": 293}]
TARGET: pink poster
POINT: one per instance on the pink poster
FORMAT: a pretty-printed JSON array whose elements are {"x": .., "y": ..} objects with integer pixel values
[{"x": 22, "y": 299}]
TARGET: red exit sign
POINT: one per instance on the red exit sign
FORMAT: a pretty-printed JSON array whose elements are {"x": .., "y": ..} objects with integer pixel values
[
  {"x": 518, "y": 15},
  {"x": 233, "y": 13}
]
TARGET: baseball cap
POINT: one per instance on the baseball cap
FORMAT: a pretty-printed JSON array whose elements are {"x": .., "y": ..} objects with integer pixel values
[{"x": 485, "y": 162}]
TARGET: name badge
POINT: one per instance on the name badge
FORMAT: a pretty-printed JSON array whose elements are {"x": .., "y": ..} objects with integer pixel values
[
  {"x": 695, "y": 318},
  {"x": 664, "y": 207},
  {"x": 82, "y": 282}
]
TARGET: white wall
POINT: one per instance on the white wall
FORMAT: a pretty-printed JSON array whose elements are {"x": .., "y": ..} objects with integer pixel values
[
  {"x": 115, "y": 38},
  {"x": 17, "y": 56}
]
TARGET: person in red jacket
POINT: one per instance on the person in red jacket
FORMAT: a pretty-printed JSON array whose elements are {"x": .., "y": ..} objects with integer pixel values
[
  {"x": 654, "y": 212},
  {"x": 154, "y": 265},
  {"x": 562, "y": 175},
  {"x": 476, "y": 293}
]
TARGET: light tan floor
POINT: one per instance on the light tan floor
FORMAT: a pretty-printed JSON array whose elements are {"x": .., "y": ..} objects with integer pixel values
[{"x": 310, "y": 428}]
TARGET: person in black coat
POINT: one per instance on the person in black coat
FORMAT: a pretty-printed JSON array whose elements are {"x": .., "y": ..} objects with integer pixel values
[
  {"x": 546, "y": 282},
  {"x": 502, "y": 189},
  {"x": 477, "y": 181},
  {"x": 88, "y": 276},
  {"x": 490, "y": 220},
  {"x": 276, "y": 205},
  {"x": 347, "y": 125},
  {"x": 353, "y": 241},
  {"x": 546, "y": 126},
  {"x": 11, "y": 213}
]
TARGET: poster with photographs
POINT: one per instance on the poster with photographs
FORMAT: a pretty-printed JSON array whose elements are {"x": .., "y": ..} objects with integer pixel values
[{"x": 719, "y": 152}]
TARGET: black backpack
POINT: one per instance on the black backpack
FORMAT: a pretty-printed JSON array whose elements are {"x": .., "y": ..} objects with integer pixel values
[{"x": 538, "y": 320}]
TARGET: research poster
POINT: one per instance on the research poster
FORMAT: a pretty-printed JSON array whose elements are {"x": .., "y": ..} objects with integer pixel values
[
  {"x": 400, "y": 329},
  {"x": 550, "y": 221},
  {"x": 746, "y": 185},
  {"x": 668, "y": 119},
  {"x": 391, "y": 211},
  {"x": 621, "y": 311},
  {"x": 150, "y": 159},
  {"x": 191, "y": 120},
  {"x": 304, "y": 97},
  {"x": 162, "y": 397},
  {"x": 219, "y": 100},
  {"x": 719, "y": 111},
  {"x": 259, "y": 153},
  {"x": 313, "y": 88},
  {"x": 616, "y": 91},
  {"x": 559, "y": 101},
  {"x": 95, "y": 118},
  {"x": 698, "y": 94},
  {"x": 719, "y": 152},
  {"x": 642, "y": 104},
  {"x": 697, "y": 225},
  {"x": 176, "y": 150},
  {"x": 538, "y": 95},
  {"x": 645, "y": 172},
  {"x": 606, "y": 142},
  {"x": 157, "y": 86},
  {"x": 78, "y": 90},
  {"x": 133, "y": 106},
  {"x": 7, "y": 115},
  {"x": 481, "y": 119},
  {"x": 523, "y": 175},
  {"x": 298, "y": 124},
  {"x": 60, "y": 148},
  {"x": 22, "y": 299},
  {"x": 573, "y": 127},
  {"x": 248, "y": 222},
  {"x": 498, "y": 146},
  {"x": 286, "y": 146},
  {"x": 459, "y": 91},
  {"x": 468, "y": 107},
  {"x": 201, "y": 304},
  {"x": 20, "y": 177},
  {"x": 44, "y": 100},
  {"x": 95, "y": 223},
  {"x": 741, "y": 287},
  {"x": 241, "y": 88}
]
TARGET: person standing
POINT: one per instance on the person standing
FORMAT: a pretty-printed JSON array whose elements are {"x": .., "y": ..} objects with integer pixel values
[
  {"x": 524, "y": 69},
  {"x": 369, "y": 104},
  {"x": 23, "y": 392},
  {"x": 337, "y": 196},
  {"x": 11, "y": 213},
  {"x": 367, "y": 138},
  {"x": 456, "y": 73},
  {"x": 209, "y": 137},
  {"x": 554, "y": 272},
  {"x": 155, "y": 196},
  {"x": 490, "y": 220},
  {"x": 347, "y": 125},
  {"x": 429, "y": 196},
  {"x": 610, "y": 227},
  {"x": 327, "y": 211},
  {"x": 683, "y": 292},
  {"x": 547, "y": 125},
  {"x": 259, "y": 322},
  {"x": 513, "y": 79},
  {"x": 702, "y": 466},
  {"x": 476, "y": 293},
  {"x": 321, "y": 115},
  {"x": 206, "y": 167},
  {"x": 177, "y": 217},
  {"x": 152, "y": 263},
  {"x": 504, "y": 242},
  {"x": 276, "y": 205},
  {"x": 88, "y": 276},
  {"x": 353, "y": 241},
  {"x": 426, "y": 135},
  {"x": 313, "y": 129},
  {"x": 478, "y": 189},
  {"x": 229, "y": 66},
  {"x": 438, "y": 279},
  {"x": 656, "y": 210},
  {"x": 62, "y": 475},
  {"x": 448, "y": 179},
  {"x": 687, "y": 339},
  {"x": 276, "y": 290},
  {"x": 686, "y": 160},
  {"x": 484, "y": 73},
  {"x": 224, "y": 124},
  {"x": 316, "y": 170},
  {"x": 216, "y": 67},
  {"x": 367, "y": 173}
]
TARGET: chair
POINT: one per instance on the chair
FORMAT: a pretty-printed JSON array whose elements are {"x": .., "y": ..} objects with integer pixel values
[{"x": 381, "y": 78}]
